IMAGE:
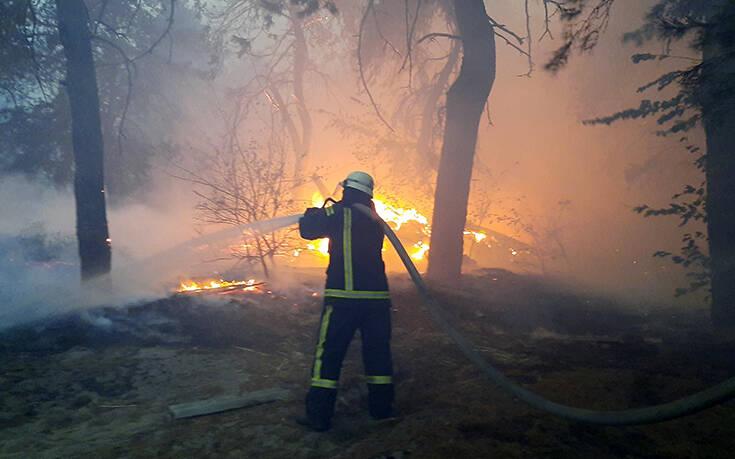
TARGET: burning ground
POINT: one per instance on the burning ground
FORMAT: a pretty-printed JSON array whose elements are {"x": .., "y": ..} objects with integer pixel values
[{"x": 100, "y": 382}]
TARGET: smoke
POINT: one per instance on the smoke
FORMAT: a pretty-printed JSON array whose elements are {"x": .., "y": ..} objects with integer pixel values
[
  {"x": 545, "y": 155},
  {"x": 24, "y": 204},
  {"x": 39, "y": 266},
  {"x": 155, "y": 245},
  {"x": 532, "y": 142}
]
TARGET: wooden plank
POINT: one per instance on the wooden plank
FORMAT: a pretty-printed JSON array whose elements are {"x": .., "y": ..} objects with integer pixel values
[{"x": 219, "y": 404}]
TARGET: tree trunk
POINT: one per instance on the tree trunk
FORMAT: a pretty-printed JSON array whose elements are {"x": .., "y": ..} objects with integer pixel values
[
  {"x": 81, "y": 87},
  {"x": 719, "y": 125},
  {"x": 465, "y": 102}
]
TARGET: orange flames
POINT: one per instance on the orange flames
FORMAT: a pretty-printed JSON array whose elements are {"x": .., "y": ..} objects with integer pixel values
[
  {"x": 398, "y": 215},
  {"x": 394, "y": 215},
  {"x": 192, "y": 286}
]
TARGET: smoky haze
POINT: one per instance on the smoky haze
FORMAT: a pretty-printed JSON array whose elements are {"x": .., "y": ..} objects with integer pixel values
[
  {"x": 603, "y": 172},
  {"x": 541, "y": 178}
]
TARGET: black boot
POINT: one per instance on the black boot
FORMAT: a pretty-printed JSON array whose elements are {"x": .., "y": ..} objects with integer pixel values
[
  {"x": 381, "y": 400},
  {"x": 319, "y": 408}
]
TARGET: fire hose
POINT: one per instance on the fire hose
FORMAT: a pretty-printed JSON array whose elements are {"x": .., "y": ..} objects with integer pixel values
[{"x": 684, "y": 406}]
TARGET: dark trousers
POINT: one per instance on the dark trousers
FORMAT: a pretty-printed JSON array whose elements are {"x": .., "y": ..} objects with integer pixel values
[{"x": 337, "y": 328}]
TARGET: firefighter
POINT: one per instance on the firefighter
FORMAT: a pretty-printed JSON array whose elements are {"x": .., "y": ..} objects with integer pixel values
[{"x": 355, "y": 297}]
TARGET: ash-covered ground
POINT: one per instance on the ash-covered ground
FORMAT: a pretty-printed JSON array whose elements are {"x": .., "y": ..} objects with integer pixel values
[{"x": 99, "y": 383}]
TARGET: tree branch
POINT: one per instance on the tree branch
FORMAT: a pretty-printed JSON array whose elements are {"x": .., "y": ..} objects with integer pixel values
[
  {"x": 431, "y": 36},
  {"x": 502, "y": 28},
  {"x": 528, "y": 41},
  {"x": 362, "y": 72},
  {"x": 505, "y": 29},
  {"x": 509, "y": 43},
  {"x": 380, "y": 33},
  {"x": 409, "y": 38},
  {"x": 130, "y": 69},
  {"x": 163, "y": 35},
  {"x": 547, "y": 17}
]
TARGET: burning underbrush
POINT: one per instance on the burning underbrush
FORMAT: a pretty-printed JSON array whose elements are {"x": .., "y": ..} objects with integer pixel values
[
  {"x": 218, "y": 286},
  {"x": 483, "y": 246}
]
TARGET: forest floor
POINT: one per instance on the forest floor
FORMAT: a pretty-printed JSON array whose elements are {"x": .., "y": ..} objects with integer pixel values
[{"x": 99, "y": 383}]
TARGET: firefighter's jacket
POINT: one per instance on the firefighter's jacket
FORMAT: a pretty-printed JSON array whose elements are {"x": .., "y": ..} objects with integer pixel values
[{"x": 356, "y": 269}]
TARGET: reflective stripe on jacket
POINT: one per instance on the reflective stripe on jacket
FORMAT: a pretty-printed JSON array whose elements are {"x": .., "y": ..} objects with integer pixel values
[{"x": 356, "y": 269}]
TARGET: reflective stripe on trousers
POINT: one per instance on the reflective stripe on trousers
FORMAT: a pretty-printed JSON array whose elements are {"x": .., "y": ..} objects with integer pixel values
[{"x": 316, "y": 377}]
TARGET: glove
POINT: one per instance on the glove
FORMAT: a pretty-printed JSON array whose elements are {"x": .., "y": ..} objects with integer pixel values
[{"x": 311, "y": 210}]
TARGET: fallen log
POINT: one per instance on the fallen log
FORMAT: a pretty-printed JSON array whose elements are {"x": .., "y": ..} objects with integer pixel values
[{"x": 219, "y": 404}]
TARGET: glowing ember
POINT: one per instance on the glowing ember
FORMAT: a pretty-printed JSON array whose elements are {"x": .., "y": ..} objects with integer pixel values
[{"x": 245, "y": 285}]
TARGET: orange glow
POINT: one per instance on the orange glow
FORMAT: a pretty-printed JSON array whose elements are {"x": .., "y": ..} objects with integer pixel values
[
  {"x": 395, "y": 215},
  {"x": 479, "y": 236},
  {"x": 421, "y": 249},
  {"x": 321, "y": 247},
  {"x": 317, "y": 200},
  {"x": 398, "y": 215},
  {"x": 192, "y": 286}
]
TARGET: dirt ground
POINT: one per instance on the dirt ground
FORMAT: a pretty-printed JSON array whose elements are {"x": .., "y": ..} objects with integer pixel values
[{"x": 99, "y": 383}]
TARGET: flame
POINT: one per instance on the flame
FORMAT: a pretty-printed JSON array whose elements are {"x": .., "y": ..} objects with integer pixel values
[
  {"x": 387, "y": 212},
  {"x": 398, "y": 215},
  {"x": 321, "y": 247},
  {"x": 192, "y": 286},
  {"x": 479, "y": 236},
  {"x": 422, "y": 248},
  {"x": 317, "y": 200}
]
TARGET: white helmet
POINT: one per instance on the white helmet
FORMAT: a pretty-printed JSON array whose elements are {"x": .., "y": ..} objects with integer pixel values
[{"x": 359, "y": 181}]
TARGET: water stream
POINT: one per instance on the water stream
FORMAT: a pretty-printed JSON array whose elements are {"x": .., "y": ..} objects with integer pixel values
[{"x": 250, "y": 230}]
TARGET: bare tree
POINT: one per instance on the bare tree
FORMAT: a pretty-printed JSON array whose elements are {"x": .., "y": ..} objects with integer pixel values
[
  {"x": 245, "y": 182},
  {"x": 279, "y": 60}
]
